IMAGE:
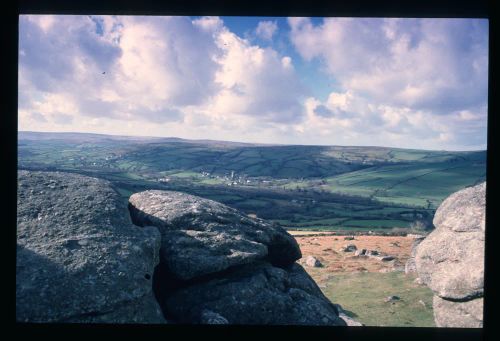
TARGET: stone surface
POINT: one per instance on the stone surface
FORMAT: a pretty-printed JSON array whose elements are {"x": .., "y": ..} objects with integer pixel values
[
  {"x": 392, "y": 298},
  {"x": 349, "y": 248},
  {"x": 371, "y": 253},
  {"x": 463, "y": 211},
  {"x": 450, "y": 260},
  {"x": 201, "y": 236},
  {"x": 361, "y": 252},
  {"x": 257, "y": 293},
  {"x": 351, "y": 322},
  {"x": 411, "y": 266},
  {"x": 79, "y": 257},
  {"x": 467, "y": 314},
  {"x": 313, "y": 262},
  {"x": 209, "y": 317},
  {"x": 452, "y": 264}
]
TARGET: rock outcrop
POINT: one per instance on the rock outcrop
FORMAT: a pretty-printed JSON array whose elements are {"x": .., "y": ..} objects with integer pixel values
[
  {"x": 220, "y": 265},
  {"x": 201, "y": 236},
  {"x": 79, "y": 257},
  {"x": 184, "y": 259},
  {"x": 450, "y": 260}
]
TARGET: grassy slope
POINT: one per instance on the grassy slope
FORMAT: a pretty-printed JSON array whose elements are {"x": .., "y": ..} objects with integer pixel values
[{"x": 364, "y": 293}]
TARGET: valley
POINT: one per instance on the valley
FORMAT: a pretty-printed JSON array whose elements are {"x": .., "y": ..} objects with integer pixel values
[{"x": 324, "y": 188}]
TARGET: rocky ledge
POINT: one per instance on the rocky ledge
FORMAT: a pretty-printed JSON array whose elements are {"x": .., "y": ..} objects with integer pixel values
[
  {"x": 218, "y": 265},
  {"x": 184, "y": 259},
  {"x": 450, "y": 260}
]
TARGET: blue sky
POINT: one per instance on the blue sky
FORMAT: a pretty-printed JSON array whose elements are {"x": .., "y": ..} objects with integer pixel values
[{"x": 410, "y": 83}]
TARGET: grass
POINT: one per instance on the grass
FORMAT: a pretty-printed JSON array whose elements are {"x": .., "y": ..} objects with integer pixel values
[
  {"x": 364, "y": 294},
  {"x": 376, "y": 223}
]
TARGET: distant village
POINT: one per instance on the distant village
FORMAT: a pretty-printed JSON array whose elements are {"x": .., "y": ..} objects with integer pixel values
[{"x": 230, "y": 179}]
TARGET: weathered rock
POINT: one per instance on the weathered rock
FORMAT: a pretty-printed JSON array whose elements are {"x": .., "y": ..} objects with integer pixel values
[
  {"x": 349, "y": 248},
  {"x": 347, "y": 319},
  {"x": 210, "y": 317},
  {"x": 201, "y": 236},
  {"x": 349, "y": 238},
  {"x": 410, "y": 266},
  {"x": 452, "y": 264},
  {"x": 371, "y": 253},
  {"x": 392, "y": 298},
  {"x": 257, "y": 293},
  {"x": 361, "y": 252},
  {"x": 79, "y": 258},
  {"x": 463, "y": 211},
  {"x": 450, "y": 260},
  {"x": 313, "y": 262},
  {"x": 467, "y": 314}
]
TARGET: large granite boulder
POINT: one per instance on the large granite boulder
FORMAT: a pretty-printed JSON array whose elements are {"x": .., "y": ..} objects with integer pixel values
[
  {"x": 201, "y": 236},
  {"x": 257, "y": 293},
  {"x": 219, "y": 266},
  {"x": 450, "y": 260},
  {"x": 79, "y": 257}
]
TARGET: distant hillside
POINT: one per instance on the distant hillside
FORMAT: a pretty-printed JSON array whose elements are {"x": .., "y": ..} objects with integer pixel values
[{"x": 296, "y": 185}]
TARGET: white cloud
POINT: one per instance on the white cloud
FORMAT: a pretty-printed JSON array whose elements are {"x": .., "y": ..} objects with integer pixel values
[
  {"x": 171, "y": 71},
  {"x": 435, "y": 64},
  {"x": 413, "y": 83},
  {"x": 266, "y": 29}
]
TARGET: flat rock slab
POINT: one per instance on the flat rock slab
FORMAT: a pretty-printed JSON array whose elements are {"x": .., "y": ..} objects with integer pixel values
[
  {"x": 202, "y": 236},
  {"x": 79, "y": 257},
  {"x": 255, "y": 294}
]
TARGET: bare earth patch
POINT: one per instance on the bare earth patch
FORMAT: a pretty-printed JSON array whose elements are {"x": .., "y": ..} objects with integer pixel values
[
  {"x": 327, "y": 248},
  {"x": 362, "y": 284}
]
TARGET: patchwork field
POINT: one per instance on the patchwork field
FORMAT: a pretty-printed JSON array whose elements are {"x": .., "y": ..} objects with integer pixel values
[{"x": 299, "y": 187}]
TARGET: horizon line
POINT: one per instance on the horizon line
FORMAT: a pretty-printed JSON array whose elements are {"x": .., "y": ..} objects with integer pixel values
[{"x": 241, "y": 142}]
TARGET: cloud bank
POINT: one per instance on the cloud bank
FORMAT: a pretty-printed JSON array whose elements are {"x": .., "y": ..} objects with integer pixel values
[{"x": 399, "y": 82}]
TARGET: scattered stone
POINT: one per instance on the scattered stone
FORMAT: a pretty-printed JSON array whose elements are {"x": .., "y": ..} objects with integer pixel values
[
  {"x": 313, "y": 262},
  {"x": 361, "y": 252},
  {"x": 370, "y": 253},
  {"x": 422, "y": 303},
  {"x": 386, "y": 258},
  {"x": 349, "y": 238},
  {"x": 392, "y": 298},
  {"x": 349, "y": 248}
]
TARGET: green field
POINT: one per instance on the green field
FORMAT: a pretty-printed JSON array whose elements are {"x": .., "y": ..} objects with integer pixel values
[
  {"x": 364, "y": 294},
  {"x": 315, "y": 187}
]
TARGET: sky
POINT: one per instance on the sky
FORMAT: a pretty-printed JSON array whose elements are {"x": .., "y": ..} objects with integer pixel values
[{"x": 408, "y": 83}]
